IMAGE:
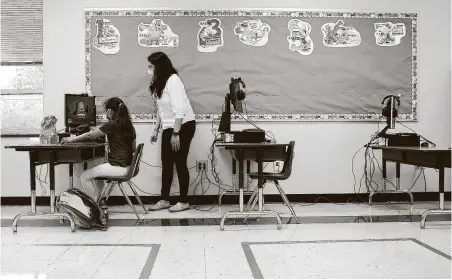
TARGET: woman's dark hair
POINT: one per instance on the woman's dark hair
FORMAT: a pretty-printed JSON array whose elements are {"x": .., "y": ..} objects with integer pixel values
[
  {"x": 121, "y": 115},
  {"x": 163, "y": 70}
]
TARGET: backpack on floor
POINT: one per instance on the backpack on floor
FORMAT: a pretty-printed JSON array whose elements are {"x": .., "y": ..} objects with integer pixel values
[{"x": 83, "y": 209}]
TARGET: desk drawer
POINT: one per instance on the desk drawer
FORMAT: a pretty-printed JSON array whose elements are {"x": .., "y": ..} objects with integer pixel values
[
  {"x": 270, "y": 154},
  {"x": 419, "y": 158},
  {"x": 71, "y": 155}
]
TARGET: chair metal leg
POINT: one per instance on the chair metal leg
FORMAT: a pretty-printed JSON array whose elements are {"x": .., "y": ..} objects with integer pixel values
[
  {"x": 137, "y": 196},
  {"x": 286, "y": 201},
  {"x": 251, "y": 199},
  {"x": 104, "y": 191},
  {"x": 108, "y": 193},
  {"x": 253, "y": 204},
  {"x": 128, "y": 200}
]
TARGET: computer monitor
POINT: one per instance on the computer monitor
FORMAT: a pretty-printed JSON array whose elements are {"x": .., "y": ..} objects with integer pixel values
[
  {"x": 235, "y": 96},
  {"x": 80, "y": 109}
]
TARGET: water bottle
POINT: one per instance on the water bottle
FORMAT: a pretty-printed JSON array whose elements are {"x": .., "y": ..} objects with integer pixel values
[{"x": 44, "y": 137}]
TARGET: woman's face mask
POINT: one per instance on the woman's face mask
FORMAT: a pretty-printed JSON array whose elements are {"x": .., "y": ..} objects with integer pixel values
[{"x": 151, "y": 69}]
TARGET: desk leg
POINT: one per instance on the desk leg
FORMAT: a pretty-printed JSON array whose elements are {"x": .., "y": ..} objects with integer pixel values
[
  {"x": 260, "y": 181},
  {"x": 260, "y": 212},
  {"x": 33, "y": 183},
  {"x": 71, "y": 175},
  {"x": 33, "y": 212},
  {"x": 52, "y": 185},
  {"x": 398, "y": 176},
  {"x": 241, "y": 179},
  {"x": 85, "y": 165},
  {"x": 232, "y": 191},
  {"x": 441, "y": 187},
  {"x": 441, "y": 209},
  {"x": 397, "y": 186},
  {"x": 234, "y": 174}
]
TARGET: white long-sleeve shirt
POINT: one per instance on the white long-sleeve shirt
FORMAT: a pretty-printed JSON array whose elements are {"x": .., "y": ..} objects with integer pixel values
[{"x": 174, "y": 103}]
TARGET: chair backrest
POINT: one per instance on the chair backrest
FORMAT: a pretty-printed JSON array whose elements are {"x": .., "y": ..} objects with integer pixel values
[
  {"x": 287, "y": 168},
  {"x": 135, "y": 166}
]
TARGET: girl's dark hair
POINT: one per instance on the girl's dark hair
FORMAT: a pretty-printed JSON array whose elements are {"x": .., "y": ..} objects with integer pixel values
[
  {"x": 121, "y": 116},
  {"x": 163, "y": 70}
]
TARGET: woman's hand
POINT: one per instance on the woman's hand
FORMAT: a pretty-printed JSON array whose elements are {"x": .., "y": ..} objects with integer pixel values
[
  {"x": 154, "y": 136},
  {"x": 175, "y": 142}
]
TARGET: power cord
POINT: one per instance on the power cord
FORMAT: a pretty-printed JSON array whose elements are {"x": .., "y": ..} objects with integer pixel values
[
  {"x": 370, "y": 157},
  {"x": 159, "y": 166},
  {"x": 42, "y": 182}
]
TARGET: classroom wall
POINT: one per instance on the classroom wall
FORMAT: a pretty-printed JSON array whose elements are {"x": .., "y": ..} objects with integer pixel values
[{"x": 324, "y": 151}]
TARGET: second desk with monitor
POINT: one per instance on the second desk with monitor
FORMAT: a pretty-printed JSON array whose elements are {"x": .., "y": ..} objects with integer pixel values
[{"x": 247, "y": 145}]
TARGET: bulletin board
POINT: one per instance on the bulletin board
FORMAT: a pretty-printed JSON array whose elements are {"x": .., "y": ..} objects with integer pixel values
[{"x": 302, "y": 66}]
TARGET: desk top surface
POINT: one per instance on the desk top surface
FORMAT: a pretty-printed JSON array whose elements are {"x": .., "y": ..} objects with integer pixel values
[
  {"x": 249, "y": 145},
  {"x": 427, "y": 150},
  {"x": 35, "y": 147}
]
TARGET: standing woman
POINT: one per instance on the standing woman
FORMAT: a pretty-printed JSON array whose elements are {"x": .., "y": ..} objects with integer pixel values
[{"x": 175, "y": 116}]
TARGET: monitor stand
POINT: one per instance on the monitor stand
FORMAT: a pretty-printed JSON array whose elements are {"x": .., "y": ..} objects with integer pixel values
[{"x": 225, "y": 121}]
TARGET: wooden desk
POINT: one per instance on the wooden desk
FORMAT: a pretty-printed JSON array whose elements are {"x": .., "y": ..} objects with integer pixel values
[
  {"x": 438, "y": 158},
  {"x": 259, "y": 152},
  {"x": 54, "y": 154}
]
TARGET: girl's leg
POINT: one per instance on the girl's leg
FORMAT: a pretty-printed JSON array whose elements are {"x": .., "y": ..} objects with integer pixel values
[{"x": 102, "y": 170}]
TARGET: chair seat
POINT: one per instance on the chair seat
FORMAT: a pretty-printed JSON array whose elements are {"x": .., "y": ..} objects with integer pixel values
[
  {"x": 268, "y": 176},
  {"x": 113, "y": 178}
]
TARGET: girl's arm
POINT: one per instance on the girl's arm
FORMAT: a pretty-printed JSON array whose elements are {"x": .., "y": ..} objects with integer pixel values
[{"x": 91, "y": 135}]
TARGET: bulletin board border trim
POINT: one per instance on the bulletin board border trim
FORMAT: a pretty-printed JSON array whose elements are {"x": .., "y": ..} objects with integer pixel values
[{"x": 137, "y": 117}]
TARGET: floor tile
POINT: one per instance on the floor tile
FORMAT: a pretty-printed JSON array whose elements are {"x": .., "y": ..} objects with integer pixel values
[
  {"x": 71, "y": 269},
  {"x": 388, "y": 259},
  {"x": 120, "y": 269}
]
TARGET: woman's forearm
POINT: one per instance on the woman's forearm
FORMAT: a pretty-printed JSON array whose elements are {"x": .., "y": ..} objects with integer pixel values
[
  {"x": 177, "y": 124},
  {"x": 158, "y": 122}
]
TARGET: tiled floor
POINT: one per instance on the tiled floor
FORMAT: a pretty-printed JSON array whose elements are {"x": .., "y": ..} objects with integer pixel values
[{"x": 322, "y": 246}]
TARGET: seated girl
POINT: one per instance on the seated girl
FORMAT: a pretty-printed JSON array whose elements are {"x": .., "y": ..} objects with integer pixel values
[{"x": 121, "y": 138}]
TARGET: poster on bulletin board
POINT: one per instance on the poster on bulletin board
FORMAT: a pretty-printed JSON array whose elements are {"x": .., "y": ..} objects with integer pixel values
[{"x": 302, "y": 66}]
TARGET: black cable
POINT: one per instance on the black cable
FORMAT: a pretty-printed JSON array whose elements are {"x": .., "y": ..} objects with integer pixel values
[
  {"x": 158, "y": 166},
  {"x": 204, "y": 192},
  {"x": 419, "y": 175},
  {"x": 368, "y": 179},
  {"x": 348, "y": 201},
  {"x": 425, "y": 180},
  {"x": 157, "y": 194},
  {"x": 41, "y": 182}
]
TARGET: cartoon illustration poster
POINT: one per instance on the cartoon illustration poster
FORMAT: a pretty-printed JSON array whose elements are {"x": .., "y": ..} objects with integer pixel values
[
  {"x": 210, "y": 35},
  {"x": 299, "y": 38},
  {"x": 337, "y": 35},
  {"x": 157, "y": 34},
  {"x": 107, "y": 37},
  {"x": 252, "y": 32},
  {"x": 389, "y": 34}
]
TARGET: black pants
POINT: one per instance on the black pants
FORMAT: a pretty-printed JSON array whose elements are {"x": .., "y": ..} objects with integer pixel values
[{"x": 170, "y": 157}]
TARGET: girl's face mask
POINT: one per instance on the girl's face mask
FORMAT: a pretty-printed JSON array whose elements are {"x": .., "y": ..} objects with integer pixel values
[{"x": 110, "y": 114}]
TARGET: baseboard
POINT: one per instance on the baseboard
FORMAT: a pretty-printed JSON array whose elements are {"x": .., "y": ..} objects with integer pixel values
[{"x": 233, "y": 199}]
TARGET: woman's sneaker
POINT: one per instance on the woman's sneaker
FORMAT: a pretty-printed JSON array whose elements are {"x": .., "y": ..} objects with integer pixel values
[
  {"x": 162, "y": 204},
  {"x": 179, "y": 207}
]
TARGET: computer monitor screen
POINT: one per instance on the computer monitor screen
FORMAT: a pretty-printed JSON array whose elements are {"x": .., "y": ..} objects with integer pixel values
[{"x": 80, "y": 109}]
